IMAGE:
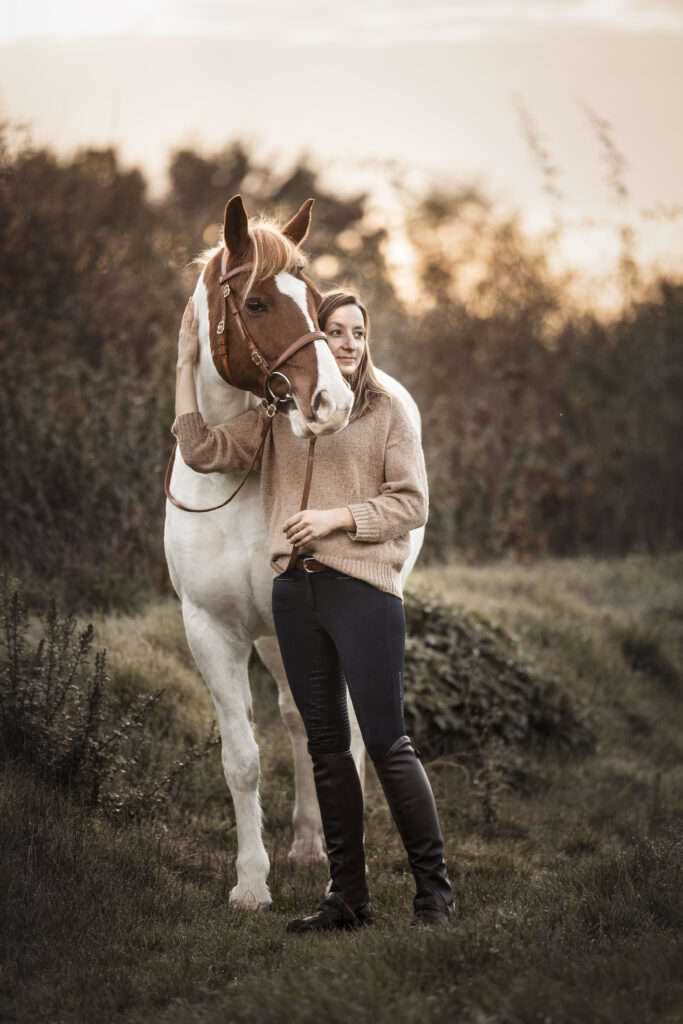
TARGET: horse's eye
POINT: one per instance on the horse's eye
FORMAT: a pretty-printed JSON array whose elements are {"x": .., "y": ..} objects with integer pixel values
[{"x": 256, "y": 306}]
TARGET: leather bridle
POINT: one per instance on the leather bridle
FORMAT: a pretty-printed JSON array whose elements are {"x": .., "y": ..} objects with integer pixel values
[
  {"x": 219, "y": 350},
  {"x": 219, "y": 354}
]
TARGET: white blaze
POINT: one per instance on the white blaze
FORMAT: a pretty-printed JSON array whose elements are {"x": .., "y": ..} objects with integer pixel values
[
  {"x": 330, "y": 380},
  {"x": 287, "y": 284}
]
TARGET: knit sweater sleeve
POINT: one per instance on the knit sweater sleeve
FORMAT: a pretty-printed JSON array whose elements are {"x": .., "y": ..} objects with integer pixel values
[
  {"x": 403, "y": 502},
  {"x": 223, "y": 449}
]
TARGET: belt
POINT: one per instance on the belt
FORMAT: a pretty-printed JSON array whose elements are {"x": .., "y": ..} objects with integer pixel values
[{"x": 310, "y": 565}]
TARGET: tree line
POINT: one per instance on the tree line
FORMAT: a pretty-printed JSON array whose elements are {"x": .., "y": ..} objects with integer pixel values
[{"x": 547, "y": 429}]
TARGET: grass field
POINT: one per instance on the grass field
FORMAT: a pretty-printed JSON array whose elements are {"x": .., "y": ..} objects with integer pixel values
[{"x": 568, "y": 883}]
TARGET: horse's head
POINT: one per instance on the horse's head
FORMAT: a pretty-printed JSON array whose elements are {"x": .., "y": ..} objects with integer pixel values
[{"x": 268, "y": 307}]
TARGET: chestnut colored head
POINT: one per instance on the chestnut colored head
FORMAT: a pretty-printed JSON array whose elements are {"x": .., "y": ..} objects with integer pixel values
[{"x": 277, "y": 304}]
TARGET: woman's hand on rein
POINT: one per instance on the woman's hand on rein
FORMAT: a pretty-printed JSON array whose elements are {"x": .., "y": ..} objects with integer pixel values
[
  {"x": 312, "y": 524},
  {"x": 188, "y": 339}
]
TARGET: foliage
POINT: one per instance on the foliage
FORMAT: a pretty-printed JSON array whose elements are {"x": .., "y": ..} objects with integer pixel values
[
  {"x": 545, "y": 429},
  {"x": 56, "y": 718},
  {"x": 86, "y": 317},
  {"x": 467, "y": 681}
]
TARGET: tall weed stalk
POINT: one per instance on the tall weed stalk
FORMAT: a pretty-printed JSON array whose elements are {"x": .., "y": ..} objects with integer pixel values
[{"x": 57, "y": 718}]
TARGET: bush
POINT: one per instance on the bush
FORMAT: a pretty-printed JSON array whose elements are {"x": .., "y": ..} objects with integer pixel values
[{"x": 468, "y": 682}]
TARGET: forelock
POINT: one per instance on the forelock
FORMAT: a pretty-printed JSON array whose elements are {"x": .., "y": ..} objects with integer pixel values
[{"x": 272, "y": 253}]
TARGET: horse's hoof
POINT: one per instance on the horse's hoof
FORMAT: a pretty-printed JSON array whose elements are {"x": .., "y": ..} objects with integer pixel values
[
  {"x": 308, "y": 858},
  {"x": 245, "y": 899}
]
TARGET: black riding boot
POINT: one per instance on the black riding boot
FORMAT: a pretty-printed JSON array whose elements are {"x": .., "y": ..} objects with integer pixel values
[
  {"x": 412, "y": 806},
  {"x": 341, "y": 808}
]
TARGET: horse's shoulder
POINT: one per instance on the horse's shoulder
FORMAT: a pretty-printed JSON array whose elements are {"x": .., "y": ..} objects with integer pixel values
[{"x": 397, "y": 392}]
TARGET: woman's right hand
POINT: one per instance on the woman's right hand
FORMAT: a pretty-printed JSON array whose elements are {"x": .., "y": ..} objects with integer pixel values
[{"x": 188, "y": 339}]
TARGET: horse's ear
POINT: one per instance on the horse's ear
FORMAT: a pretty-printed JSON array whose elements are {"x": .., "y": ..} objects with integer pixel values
[
  {"x": 236, "y": 226},
  {"x": 297, "y": 229}
]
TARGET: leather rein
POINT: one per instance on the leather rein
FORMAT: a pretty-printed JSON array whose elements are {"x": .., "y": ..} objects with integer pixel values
[{"x": 219, "y": 354}]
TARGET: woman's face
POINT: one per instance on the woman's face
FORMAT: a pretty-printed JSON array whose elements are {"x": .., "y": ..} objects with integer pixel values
[{"x": 345, "y": 332}]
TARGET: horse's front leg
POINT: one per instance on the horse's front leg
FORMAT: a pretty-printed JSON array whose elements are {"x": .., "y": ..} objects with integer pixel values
[
  {"x": 357, "y": 745},
  {"x": 308, "y": 843},
  {"x": 222, "y": 658}
]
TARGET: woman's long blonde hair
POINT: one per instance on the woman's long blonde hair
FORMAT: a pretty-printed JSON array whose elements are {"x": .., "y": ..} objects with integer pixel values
[{"x": 363, "y": 383}]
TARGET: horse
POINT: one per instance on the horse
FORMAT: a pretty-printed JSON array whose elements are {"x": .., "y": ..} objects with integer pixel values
[{"x": 218, "y": 561}]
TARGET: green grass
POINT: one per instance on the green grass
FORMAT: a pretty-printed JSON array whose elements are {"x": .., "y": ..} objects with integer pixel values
[{"x": 570, "y": 896}]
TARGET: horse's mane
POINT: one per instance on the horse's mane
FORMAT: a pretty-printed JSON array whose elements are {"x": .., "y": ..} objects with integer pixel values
[{"x": 272, "y": 252}]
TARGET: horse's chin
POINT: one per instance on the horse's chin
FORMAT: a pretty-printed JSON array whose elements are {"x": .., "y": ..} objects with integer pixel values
[{"x": 301, "y": 427}]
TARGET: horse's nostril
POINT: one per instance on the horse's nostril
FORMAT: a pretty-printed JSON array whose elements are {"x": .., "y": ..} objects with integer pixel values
[{"x": 319, "y": 404}]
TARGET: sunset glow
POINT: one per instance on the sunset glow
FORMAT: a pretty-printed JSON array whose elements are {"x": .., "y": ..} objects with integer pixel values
[
  {"x": 432, "y": 88},
  {"x": 309, "y": 22}
]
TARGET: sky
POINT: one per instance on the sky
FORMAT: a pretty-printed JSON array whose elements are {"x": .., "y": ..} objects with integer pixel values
[{"x": 437, "y": 87}]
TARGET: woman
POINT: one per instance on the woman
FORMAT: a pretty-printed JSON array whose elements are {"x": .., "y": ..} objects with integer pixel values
[{"x": 338, "y": 610}]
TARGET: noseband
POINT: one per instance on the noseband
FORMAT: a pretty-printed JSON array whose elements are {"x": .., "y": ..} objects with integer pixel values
[{"x": 219, "y": 348}]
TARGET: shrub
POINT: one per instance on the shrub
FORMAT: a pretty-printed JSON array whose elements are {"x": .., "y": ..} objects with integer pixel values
[
  {"x": 468, "y": 682},
  {"x": 56, "y": 717}
]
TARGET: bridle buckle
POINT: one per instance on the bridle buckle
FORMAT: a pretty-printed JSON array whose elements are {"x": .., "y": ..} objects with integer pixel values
[{"x": 256, "y": 358}]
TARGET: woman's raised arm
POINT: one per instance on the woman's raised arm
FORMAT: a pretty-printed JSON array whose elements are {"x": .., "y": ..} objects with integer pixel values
[
  {"x": 188, "y": 347},
  {"x": 221, "y": 449}
]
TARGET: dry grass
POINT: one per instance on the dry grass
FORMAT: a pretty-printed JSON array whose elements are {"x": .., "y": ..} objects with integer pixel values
[{"x": 570, "y": 900}]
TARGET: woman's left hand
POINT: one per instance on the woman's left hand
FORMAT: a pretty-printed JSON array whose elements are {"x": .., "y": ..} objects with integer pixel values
[{"x": 312, "y": 524}]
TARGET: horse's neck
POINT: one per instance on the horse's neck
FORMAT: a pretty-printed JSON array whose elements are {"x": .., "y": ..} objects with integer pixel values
[{"x": 217, "y": 400}]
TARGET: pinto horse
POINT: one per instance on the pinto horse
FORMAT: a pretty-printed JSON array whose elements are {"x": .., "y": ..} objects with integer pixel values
[{"x": 218, "y": 562}]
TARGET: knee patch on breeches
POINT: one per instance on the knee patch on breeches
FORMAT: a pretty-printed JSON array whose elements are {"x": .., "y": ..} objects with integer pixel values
[{"x": 328, "y": 727}]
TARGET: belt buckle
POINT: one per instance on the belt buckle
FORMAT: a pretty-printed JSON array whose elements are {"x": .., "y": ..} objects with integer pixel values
[{"x": 309, "y": 558}]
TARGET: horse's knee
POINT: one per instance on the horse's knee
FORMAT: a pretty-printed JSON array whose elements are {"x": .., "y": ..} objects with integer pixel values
[{"x": 242, "y": 768}]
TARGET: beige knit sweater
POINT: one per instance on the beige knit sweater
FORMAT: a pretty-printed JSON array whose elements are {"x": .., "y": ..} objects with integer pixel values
[{"x": 374, "y": 466}]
